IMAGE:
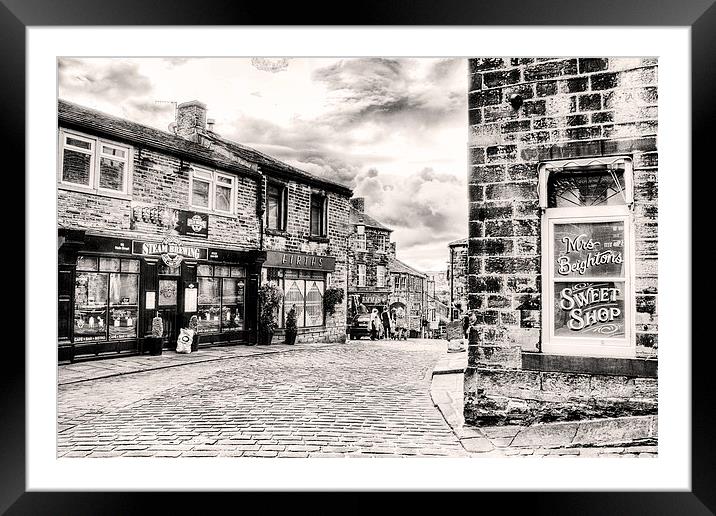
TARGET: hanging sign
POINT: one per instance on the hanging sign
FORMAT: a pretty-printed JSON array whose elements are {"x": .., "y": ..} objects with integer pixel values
[{"x": 194, "y": 224}]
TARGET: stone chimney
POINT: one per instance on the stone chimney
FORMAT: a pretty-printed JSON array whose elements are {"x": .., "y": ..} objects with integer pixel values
[
  {"x": 391, "y": 250},
  {"x": 191, "y": 120},
  {"x": 358, "y": 203}
]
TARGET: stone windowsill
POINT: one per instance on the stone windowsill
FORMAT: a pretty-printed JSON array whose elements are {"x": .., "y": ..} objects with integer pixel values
[
  {"x": 634, "y": 367},
  {"x": 276, "y": 232}
]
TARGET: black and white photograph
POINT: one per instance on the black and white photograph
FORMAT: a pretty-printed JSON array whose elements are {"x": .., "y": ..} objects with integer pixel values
[{"x": 357, "y": 257}]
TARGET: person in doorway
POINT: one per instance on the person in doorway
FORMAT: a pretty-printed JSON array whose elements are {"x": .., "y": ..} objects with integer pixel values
[
  {"x": 386, "y": 323},
  {"x": 374, "y": 324}
]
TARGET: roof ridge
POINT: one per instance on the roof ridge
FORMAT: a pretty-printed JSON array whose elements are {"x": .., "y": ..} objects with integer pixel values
[
  {"x": 226, "y": 141},
  {"x": 401, "y": 262}
]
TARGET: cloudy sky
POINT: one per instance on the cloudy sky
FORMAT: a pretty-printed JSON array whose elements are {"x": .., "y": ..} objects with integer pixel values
[{"x": 395, "y": 130}]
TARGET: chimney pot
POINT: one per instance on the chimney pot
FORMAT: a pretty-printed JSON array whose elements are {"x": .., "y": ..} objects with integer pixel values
[
  {"x": 191, "y": 119},
  {"x": 210, "y": 124},
  {"x": 358, "y": 203}
]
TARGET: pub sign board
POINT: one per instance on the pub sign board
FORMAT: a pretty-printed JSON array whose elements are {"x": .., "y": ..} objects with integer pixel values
[
  {"x": 171, "y": 250},
  {"x": 193, "y": 224},
  {"x": 299, "y": 261}
]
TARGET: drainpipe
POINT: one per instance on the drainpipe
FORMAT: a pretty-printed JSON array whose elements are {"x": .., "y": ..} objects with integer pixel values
[{"x": 260, "y": 207}]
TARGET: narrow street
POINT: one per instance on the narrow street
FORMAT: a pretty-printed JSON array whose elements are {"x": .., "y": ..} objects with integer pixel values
[{"x": 358, "y": 399}]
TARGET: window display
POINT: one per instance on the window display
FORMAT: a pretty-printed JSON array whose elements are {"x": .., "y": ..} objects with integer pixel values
[
  {"x": 220, "y": 298},
  {"x": 589, "y": 279},
  {"x": 106, "y": 301},
  {"x": 304, "y": 289}
]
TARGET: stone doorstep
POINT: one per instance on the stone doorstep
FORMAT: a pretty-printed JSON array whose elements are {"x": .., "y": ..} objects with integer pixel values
[{"x": 590, "y": 433}]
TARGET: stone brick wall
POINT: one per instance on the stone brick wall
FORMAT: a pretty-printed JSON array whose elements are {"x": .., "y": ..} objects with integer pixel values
[
  {"x": 573, "y": 108},
  {"x": 371, "y": 258},
  {"x": 458, "y": 280},
  {"x": 159, "y": 182}
]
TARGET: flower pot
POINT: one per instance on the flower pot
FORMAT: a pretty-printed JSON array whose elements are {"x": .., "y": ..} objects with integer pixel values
[
  {"x": 195, "y": 342},
  {"x": 153, "y": 345},
  {"x": 290, "y": 338},
  {"x": 265, "y": 337}
]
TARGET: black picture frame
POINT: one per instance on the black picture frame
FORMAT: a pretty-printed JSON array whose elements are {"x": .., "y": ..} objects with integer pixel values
[{"x": 700, "y": 15}]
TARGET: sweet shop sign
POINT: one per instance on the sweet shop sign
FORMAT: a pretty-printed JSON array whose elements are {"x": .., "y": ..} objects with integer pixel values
[{"x": 589, "y": 280}]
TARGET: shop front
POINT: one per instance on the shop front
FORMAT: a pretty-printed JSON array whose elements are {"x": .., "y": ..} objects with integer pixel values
[
  {"x": 371, "y": 300},
  {"x": 303, "y": 278},
  {"x": 110, "y": 289}
]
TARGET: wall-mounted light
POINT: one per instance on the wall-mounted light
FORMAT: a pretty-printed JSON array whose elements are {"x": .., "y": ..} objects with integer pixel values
[{"x": 515, "y": 100}]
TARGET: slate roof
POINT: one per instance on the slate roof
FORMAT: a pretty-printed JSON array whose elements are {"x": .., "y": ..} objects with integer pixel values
[
  {"x": 403, "y": 268},
  {"x": 271, "y": 164},
  {"x": 71, "y": 115},
  {"x": 75, "y": 116},
  {"x": 359, "y": 218}
]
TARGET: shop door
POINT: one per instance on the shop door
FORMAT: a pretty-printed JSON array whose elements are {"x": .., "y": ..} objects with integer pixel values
[{"x": 167, "y": 308}]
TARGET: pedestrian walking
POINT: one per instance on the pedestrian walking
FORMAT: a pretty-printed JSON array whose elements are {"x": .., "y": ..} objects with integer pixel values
[
  {"x": 386, "y": 323},
  {"x": 374, "y": 324},
  {"x": 400, "y": 324}
]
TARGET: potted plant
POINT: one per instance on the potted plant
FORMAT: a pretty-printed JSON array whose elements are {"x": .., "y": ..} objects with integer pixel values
[
  {"x": 291, "y": 326},
  {"x": 194, "y": 326},
  {"x": 270, "y": 296},
  {"x": 332, "y": 297},
  {"x": 154, "y": 342}
]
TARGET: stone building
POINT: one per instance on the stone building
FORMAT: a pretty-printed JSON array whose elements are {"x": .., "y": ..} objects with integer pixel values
[
  {"x": 408, "y": 295},
  {"x": 441, "y": 284},
  {"x": 369, "y": 260},
  {"x": 457, "y": 277},
  {"x": 185, "y": 223},
  {"x": 437, "y": 312},
  {"x": 562, "y": 239}
]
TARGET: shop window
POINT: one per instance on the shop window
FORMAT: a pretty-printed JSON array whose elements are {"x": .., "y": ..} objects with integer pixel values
[
  {"x": 212, "y": 191},
  {"x": 319, "y": 211},
  {"x": 360, "y": 238},
  {"x": 220, "y": 298},
  {"x": 587, "y": 253},
  {"x": 276, "y": 206},
  {"x": 361, "y": 275},
  {"x": 94, "y": 163},
  {"x": 106, "y": 299},
  {"x": 303, "y": 290}
]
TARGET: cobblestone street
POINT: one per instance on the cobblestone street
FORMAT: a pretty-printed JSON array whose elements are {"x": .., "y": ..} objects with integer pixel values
[{"x": 358, "y": 399}]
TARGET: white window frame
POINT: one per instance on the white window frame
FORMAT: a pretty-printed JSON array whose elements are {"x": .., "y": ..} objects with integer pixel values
[
  {"x": 95, "y": 152},
  {"x": 361, "y": 239},
  {"x": 380, "y": 278},
  {"x": 206, "y": 175},
  {"x": 283, "y": 206},
  {"x": 323, "y": 230},
  {"x": 361, "y": 274},
  {"x": 587, "y": 346},
  {"x": 100, "y": 154}
]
